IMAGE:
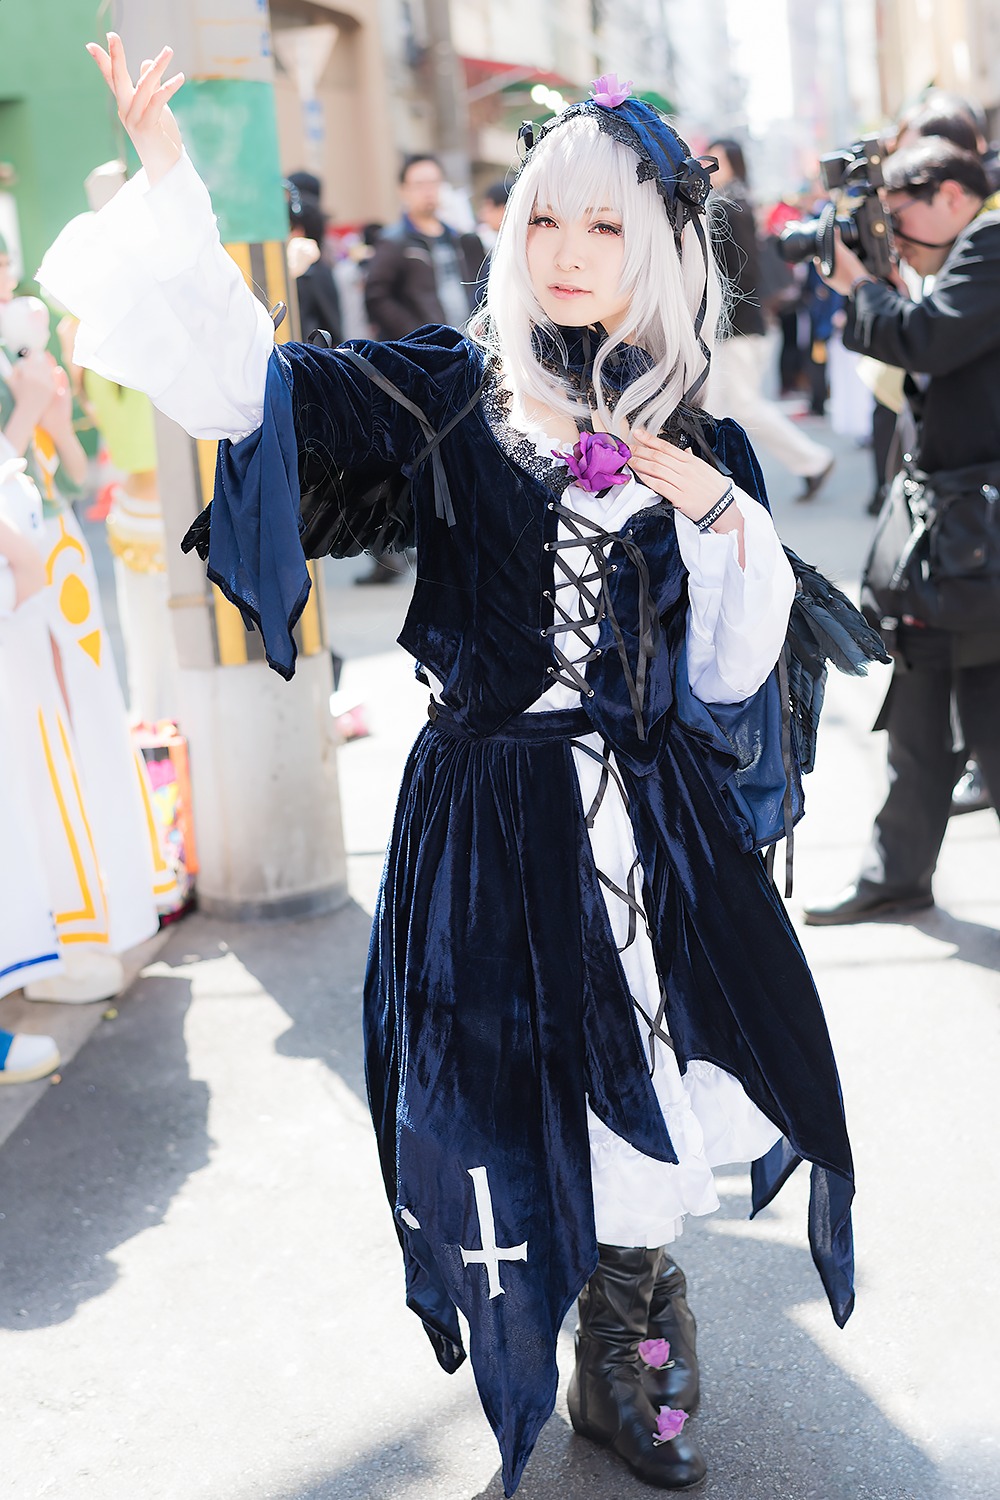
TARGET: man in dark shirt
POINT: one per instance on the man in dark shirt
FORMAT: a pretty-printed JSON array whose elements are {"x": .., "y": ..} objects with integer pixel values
[
  {"x": 739, "y": 365},
  {"x": 949, "y": 345},
  {"x": 422, "y": 271}
]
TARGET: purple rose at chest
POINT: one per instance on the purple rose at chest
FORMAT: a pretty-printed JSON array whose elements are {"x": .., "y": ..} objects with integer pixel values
[{"x": 598, "y": 461}]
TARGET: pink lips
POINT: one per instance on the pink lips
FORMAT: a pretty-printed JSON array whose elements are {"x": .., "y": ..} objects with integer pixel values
[{"x": 569, "y": 291}]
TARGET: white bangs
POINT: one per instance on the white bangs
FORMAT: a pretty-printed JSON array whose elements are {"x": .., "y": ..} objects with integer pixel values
[
  {"x": 574, "y": 170},
  {"x": 578, "y": 171}
]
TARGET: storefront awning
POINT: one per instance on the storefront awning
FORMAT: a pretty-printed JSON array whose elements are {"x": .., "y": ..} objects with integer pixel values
[{"x": 486, "y": 77}]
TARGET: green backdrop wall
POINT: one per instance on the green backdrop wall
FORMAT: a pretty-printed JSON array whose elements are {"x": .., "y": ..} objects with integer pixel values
[{"x": 57, "y": 120}]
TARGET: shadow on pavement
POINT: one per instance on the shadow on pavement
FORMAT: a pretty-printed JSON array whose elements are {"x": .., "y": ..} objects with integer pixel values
[
  {"x": 974, "y": 942},
  {"x": 100, "y": 1158},
  {"x": 313, "y": 969}
]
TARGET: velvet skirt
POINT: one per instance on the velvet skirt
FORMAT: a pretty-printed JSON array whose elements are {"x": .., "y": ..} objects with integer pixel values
[{"x": 496, "y": 1010}]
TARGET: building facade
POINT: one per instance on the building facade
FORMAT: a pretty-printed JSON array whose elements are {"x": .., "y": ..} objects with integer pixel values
[
  {"x": 333, "y": 96},
  {"x": 954, "y": 44}
]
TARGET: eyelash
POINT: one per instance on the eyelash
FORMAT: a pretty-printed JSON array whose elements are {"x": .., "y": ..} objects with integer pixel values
[{"x": 543, "y": 220}]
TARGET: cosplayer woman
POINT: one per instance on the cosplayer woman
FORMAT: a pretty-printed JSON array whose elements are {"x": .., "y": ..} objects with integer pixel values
[
  {"x": 84, "y": 783},
  {"x": 583, "y": 992}
]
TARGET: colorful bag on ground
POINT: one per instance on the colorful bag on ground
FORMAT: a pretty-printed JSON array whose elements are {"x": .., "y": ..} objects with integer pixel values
[{"x": 165, "y": 751}]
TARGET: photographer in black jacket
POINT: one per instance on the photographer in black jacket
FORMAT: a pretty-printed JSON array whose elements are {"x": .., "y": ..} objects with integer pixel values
[{"x": 949, "y": 345}]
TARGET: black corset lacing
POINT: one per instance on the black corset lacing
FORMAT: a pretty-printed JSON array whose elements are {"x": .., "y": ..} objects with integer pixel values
[
  {"x": 596, "y": 605},
  {"x": 630, "y": 894}
]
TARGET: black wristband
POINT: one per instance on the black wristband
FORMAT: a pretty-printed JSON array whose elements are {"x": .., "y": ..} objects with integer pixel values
[{"x": 721, "y": 505}]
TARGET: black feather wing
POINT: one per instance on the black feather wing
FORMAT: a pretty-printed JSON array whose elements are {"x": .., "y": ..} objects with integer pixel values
[{"x": 823, "y": 627}]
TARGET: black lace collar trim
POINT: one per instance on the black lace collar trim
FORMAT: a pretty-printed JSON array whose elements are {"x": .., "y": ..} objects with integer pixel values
[{"x": 518, "y": 446}]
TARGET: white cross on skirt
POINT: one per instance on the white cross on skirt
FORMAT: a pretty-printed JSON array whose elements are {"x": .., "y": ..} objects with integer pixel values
[{"x": 491, "y": 1254}]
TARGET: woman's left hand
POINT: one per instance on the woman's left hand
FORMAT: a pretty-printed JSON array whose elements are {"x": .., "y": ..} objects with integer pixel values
[{"x": 690, "y": 484}]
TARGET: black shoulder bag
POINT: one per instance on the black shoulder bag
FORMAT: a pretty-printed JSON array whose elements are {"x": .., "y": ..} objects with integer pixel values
[{"x": 935, "y": 554}]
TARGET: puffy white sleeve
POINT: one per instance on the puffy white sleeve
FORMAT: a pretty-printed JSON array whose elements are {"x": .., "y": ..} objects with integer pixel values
[
  {"x": 162, "y": 308},
  {"x": 738, "y": 616}
]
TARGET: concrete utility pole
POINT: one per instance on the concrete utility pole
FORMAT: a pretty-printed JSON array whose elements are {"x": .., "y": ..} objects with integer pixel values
[
  {"x": 263, "y": 752},
  {"x": 447, "y": 90}
]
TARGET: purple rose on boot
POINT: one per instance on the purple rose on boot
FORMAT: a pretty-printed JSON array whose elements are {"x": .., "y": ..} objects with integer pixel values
[
  {"x": 654, "y": 1352},
  {"x": 669, "y": 1422},
  {"x": 597, "y": 461}
]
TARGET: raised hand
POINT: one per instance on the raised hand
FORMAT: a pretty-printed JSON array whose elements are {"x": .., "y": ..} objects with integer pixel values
[
  {"x": 143, "y": 107},
  {"x": 301, "y": 254}
]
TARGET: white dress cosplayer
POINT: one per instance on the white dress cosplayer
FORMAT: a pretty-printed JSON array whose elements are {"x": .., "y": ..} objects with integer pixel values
[
  {"x": 163, "y": 309},
  {"x": 29, "y": 948},
  {"x": 76, "y": 776}
]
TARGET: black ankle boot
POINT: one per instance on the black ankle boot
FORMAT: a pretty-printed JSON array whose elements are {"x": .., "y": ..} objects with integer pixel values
[
  {"x": 606, "y": 1399},
  {"x": 677, "y": 1383}
]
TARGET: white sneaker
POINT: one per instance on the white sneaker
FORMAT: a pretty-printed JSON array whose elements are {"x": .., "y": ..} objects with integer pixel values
[
  {"x": 28, "y": 1058},
  {"x": 88, "y": 975}
]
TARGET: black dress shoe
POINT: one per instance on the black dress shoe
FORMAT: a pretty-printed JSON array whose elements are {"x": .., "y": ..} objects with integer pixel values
[
  {"x": 814, "y": 482},
  {"x": 861, "y": 902}
]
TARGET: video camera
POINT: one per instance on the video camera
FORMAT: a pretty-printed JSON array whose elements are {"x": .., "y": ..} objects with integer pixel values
[{"x": 855, "y": 175}]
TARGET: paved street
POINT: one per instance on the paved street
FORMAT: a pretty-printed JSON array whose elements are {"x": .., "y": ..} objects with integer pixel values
[{"x": 200, "y": 1287}]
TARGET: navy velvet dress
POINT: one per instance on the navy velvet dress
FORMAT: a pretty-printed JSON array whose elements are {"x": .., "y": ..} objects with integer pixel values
[{"x": 496, "y": 1005}]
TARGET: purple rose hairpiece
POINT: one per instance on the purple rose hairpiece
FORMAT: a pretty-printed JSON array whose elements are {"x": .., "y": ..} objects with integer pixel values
[
  {"x": 597, "y": 462},
  {"x": 608, "y": 91}
]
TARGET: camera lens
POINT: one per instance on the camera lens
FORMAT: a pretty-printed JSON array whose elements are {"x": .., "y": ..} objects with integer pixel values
[
  {"x": 849, "y": 232},
  {"x": 799, "y": 242}
]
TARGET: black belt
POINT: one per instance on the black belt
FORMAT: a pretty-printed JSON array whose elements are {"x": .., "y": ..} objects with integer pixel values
[{"x": 557, "y": 724}]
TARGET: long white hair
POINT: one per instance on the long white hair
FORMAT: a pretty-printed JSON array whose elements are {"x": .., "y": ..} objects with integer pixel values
[{"x": 574, "y": 168}]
